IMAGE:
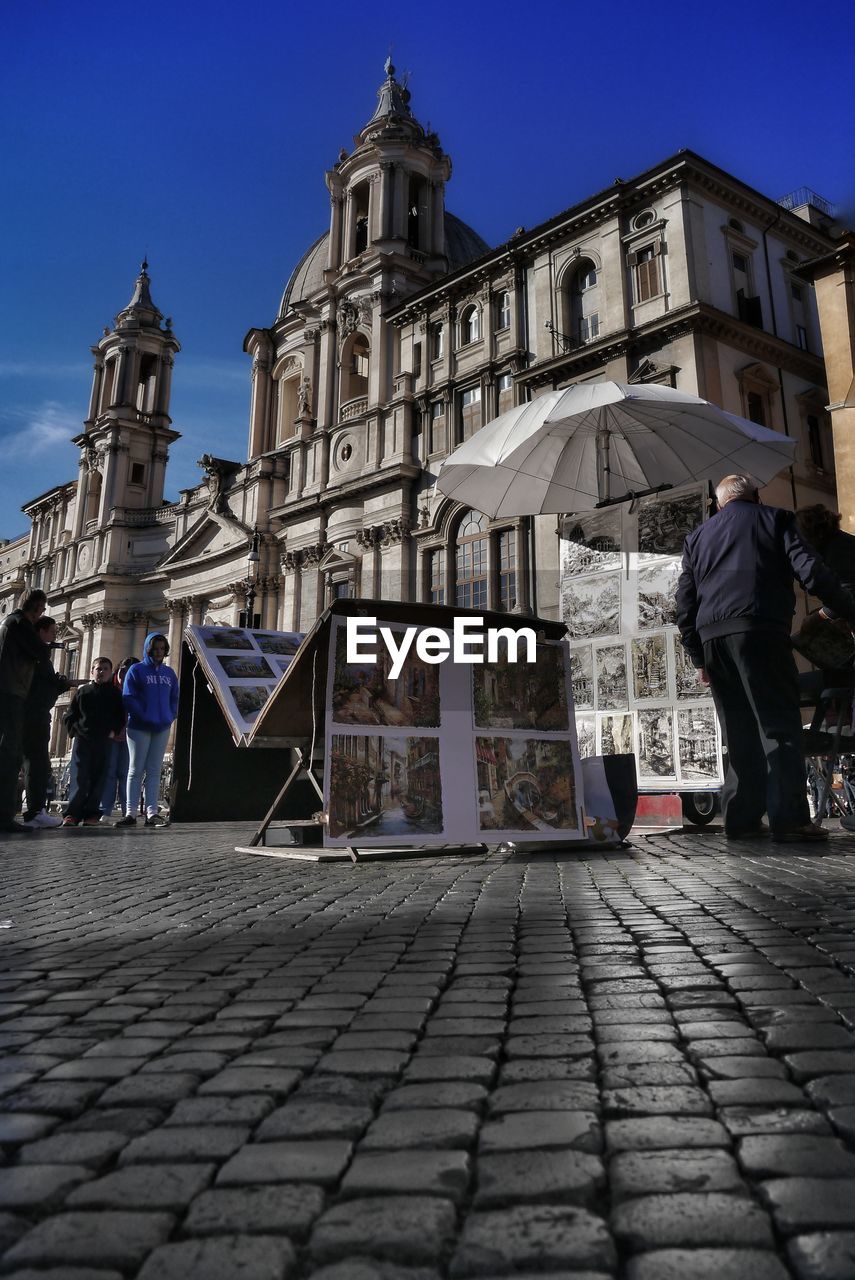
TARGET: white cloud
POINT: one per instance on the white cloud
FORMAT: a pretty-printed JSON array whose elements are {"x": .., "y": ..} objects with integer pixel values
[
  {"x": 49, "y": 426},
  {"x": 34, "y": 369}
]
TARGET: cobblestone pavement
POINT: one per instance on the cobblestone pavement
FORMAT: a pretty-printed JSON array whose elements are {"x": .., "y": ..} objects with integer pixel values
[{"x": 636, "y": 1064}]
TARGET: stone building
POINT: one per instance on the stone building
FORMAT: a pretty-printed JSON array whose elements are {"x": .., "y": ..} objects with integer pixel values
[{"x": 399, "y": 334}]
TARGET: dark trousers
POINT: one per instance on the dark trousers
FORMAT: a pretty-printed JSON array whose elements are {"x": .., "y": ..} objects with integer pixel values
[
  {"x": 36, "y": 744},
  {"x": 754, "y": 684},
  {"x": 93, "y": 759},
  {"x": 11, "y": 751}
]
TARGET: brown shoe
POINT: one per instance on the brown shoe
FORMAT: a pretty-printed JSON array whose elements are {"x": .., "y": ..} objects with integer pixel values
[{"x": 810, "y": 833}]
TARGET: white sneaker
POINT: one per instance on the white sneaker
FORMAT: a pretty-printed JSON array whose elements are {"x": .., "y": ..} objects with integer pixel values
[{"x": 44, "y": 820}]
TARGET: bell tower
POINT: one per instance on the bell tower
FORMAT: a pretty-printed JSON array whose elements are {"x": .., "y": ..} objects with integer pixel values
[
  {"x": 388, "y": 195},
  {"x": 125, "y": 440}
]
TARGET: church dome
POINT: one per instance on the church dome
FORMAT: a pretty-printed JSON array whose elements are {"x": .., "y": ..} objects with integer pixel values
[{"x": 462, "y": 246}]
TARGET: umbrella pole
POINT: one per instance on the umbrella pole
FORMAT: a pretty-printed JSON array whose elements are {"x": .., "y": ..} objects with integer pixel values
[{"x": 603, "y": 473}]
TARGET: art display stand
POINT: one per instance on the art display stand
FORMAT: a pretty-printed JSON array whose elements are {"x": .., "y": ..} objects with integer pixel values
[
  {"x": 436, "y": 756},
  {"x": 634, "y": 688}
]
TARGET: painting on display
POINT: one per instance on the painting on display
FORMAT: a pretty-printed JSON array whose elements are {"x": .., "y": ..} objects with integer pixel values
[
  {"x": 364, "y": 692},
  {"x": 591, "y": 541},
  {"x": 582, "y": 677},
  {"x": 655, "y": 749},
  {"x": 245, "y": 666},
  {"x": 242, "y": 667},
  {"x": 526, "y": 784},
  {"x": 591, "y": 606},
  {"x": 657, "y": 586},
  {"x": 649, "y": 667},
  {"x": 384, "y": 786},
  {"x": 616, "y": 735},
  {"x": 665, "y": 520},
  {"x": 522, "y": 695},
  {"x": 697, "y": 744},
  {"x": 687, "y": 676},
  {"x": 585, "y": 736},
  {"x": 611, "y": 676}
]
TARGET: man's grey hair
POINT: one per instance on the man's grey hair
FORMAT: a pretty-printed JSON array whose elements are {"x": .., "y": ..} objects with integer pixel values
[{"x": 732, "y": 488}]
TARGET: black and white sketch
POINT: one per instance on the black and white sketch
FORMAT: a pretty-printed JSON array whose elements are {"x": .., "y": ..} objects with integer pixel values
[
  {"x": 591, "y": 606},
  {"x": 655, "y": 743},
  {"x": 687, "y": 677},
  {"x": 585, "y": 736},
  {"x": 664, "y": 521},
  {"x": 657, "y": 586},
  {"x": 582, "y": 677},
  {"x": 649, "y": 667},
  {"x": 697, "y": 744},
  {"x": 616, "y": 735},
  {"x": 611, "y": 676},
  {"x": 591, "y": 541}
]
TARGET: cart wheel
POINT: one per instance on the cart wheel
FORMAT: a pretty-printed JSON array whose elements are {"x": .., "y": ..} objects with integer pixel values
[{"x": 699, "y": 807}]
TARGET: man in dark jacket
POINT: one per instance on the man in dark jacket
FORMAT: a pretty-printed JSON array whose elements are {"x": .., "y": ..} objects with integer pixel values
[
  {"x": 21, "y": 651},
  {"x": 95, "y": 717},
  {"x": 735, "y": 605},
  {"x": 46, "y": 687}
]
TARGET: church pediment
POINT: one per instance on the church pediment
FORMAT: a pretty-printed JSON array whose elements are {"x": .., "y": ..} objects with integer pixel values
[
  {"x": 335, "y": 559},
  {"x": 212, "y": 537}
]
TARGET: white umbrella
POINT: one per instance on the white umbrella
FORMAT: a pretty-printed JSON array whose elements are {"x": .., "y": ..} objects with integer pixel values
[{"x": 570, "y": 450}]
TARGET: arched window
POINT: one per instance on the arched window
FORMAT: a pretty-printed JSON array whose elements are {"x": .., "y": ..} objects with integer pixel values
[
  {"x": 582, "y": 303},
  {"x": 286, "y": 408},
  {"x": 472, "y": 562},
  {"x": 416, "y": 213},
  {"x": 145, "y": 383},
  {"x": 470, "y": 325},
  {"x": 355, "y": 364},
  {"x": 360, "y": 217}
]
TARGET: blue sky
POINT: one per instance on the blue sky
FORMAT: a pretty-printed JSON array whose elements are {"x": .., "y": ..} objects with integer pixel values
[{"x": 198, "y": 134}]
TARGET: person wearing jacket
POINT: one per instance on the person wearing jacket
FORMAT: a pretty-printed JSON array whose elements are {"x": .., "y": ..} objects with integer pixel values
[
  {"x": 46, "y": 687},
  {"x": 21, "y": 652},
  {"x": 150, "y": 695},
  {"x": 94, "y": 718},
  {"x": 735, "y": 605},
  {"x": 116, "y": 783}
]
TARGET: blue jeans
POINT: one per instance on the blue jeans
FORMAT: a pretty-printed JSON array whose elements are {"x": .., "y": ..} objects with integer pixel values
[
  {"x": 117, "y": 778},
  {"x": 146, "y": 756}
]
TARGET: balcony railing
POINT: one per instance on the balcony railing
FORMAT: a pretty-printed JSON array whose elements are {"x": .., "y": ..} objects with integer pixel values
[
  {"x": 142, "y": 515},
  {"x": 353, "y": 408}
]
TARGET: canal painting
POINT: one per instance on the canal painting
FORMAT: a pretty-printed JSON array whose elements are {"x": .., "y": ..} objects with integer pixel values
[
  {"x": 591, "y": 606},
  {"x": 383, "y": 787},
  {"x": 591, "y": 541},
  {"x": 364, "y": 693},
  {"x": 525, "y": 784},
  {"x": 698, "y": 744}
]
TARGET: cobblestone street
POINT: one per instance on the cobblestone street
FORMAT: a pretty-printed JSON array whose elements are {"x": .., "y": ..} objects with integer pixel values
[{"x": 216, "y": 1065}]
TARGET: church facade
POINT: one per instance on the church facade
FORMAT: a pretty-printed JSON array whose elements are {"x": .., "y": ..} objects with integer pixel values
[{"x": 399, "y": 333}]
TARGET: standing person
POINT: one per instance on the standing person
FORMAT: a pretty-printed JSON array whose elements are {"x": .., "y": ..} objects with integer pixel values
[
  {"x": 735, "y": 604},
  {"x": 94, "y": 718},
  {"x": 21, "y": 652},
  {"x": 151, "y": 700},
  {"x": 116, "y": 784},
  {"x": 46, "y": 687}
]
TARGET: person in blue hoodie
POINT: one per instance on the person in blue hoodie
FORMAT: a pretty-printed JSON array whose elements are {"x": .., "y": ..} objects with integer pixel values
[{"x": 150, "y": 695}]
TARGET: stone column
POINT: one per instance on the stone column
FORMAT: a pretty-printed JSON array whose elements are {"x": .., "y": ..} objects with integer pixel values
[{"x": 97, "y": 385}]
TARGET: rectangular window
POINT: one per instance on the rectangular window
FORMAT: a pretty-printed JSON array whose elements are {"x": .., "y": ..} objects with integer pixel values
[
  {"x": 507, "y": 571},
  {"x": 756, "y": 408},
  {"x": 417, "y": 360},
  {"x": 437, "y": 577},
  {"x": 470, "y": 413},
  {"x": 137, "y": 473},
  {"x": 801, "y": 337},
  {"x": 503, "y": 311},
  {"x": 505, "y": 387},
  {"x": 589, "y": 328},
  {"x": 437, "y": 342},
  {"x": 646, "y": 274},
  {"x": 436, "y": 433}
]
